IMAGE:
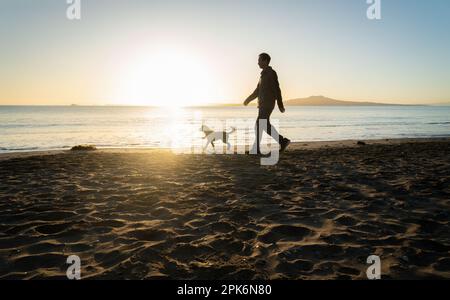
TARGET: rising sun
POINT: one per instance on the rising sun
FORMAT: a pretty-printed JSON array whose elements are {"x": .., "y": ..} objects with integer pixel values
[{"x": 167, "y": 78}]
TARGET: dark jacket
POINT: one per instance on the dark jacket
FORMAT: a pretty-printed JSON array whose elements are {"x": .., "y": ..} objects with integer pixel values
[{"x": 268, "y": 90}]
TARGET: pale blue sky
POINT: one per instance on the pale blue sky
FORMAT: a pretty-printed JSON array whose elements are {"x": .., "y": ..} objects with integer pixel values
[{"x": 325, "y": 47}]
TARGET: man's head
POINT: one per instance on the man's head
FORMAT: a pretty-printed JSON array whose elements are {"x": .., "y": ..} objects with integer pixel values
[{"x": 264, "y": 60}]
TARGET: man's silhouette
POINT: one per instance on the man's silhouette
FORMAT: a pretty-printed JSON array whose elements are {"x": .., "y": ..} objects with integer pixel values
[{"x": 268, "y": 92}]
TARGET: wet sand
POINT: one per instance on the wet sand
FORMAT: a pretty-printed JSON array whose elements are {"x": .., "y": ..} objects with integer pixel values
[{"x": 150, "y": 214}]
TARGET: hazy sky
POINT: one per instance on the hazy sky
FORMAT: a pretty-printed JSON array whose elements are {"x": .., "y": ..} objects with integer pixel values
[{"x": 193, "y": 51}]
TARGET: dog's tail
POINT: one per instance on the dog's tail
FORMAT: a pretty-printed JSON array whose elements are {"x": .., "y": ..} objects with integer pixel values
[{"x": 233, "y": 130}]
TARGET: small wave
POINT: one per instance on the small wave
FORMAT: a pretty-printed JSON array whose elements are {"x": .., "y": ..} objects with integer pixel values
[
  {"x": 20, "y": 149},
  {"x": 439, "y": 123}
]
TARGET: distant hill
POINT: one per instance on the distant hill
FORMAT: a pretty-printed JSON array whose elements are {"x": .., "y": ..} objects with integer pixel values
[{"x": 324, "y": 101}]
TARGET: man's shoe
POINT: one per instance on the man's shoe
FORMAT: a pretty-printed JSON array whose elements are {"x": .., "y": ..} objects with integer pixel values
[
  {"x": 284, "y": 144},
  {"x": 257, "y": 154}
]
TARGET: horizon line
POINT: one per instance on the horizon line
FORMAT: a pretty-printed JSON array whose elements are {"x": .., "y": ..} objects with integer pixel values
[{"x": 233, "y": 103}]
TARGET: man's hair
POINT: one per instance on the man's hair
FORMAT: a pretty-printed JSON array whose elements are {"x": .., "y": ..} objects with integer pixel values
[{"x": 265, "y": 57}]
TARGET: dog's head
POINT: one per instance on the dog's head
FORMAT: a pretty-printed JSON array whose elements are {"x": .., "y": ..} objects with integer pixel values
[{"x": 205, "y": 129}]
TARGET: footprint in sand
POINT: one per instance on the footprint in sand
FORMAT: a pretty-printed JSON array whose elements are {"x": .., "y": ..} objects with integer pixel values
[
  {"x": 53, "y": 228},
  {"x": 285, "y": 233},
  {"x": 150, "y": 234}
]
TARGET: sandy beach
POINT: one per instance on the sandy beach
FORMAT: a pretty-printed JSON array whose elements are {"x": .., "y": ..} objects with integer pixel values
[{"x": 151, "y": 214}]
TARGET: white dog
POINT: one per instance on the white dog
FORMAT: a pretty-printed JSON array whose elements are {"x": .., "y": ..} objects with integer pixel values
[{"x": 213, "y": 136}]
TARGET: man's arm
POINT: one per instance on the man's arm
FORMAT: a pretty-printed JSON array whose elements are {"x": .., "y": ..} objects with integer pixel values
[
  {"x": 277, "y": 90},
  {"x": 252, "y": 97}
]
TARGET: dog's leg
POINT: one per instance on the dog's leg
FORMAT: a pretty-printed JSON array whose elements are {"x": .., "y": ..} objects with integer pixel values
[{"x": 206, "y": 146}]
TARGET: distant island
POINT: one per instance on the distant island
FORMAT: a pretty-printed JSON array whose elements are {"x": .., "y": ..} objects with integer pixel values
[{"x": 324, "y": 101}]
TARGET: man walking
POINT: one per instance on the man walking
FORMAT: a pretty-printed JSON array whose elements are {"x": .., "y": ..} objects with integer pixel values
[{"x": 268, "y": 92}]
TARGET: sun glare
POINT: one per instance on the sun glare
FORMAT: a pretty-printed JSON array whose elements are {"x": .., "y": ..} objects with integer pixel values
[{"x": 166, "y": 78}]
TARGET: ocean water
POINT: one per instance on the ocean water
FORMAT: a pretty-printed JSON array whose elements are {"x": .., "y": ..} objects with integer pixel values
[{"x": 30, "y": 128}]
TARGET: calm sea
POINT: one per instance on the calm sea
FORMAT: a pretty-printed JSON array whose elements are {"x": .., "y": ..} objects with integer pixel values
[{"x": 28, "y": 128}]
